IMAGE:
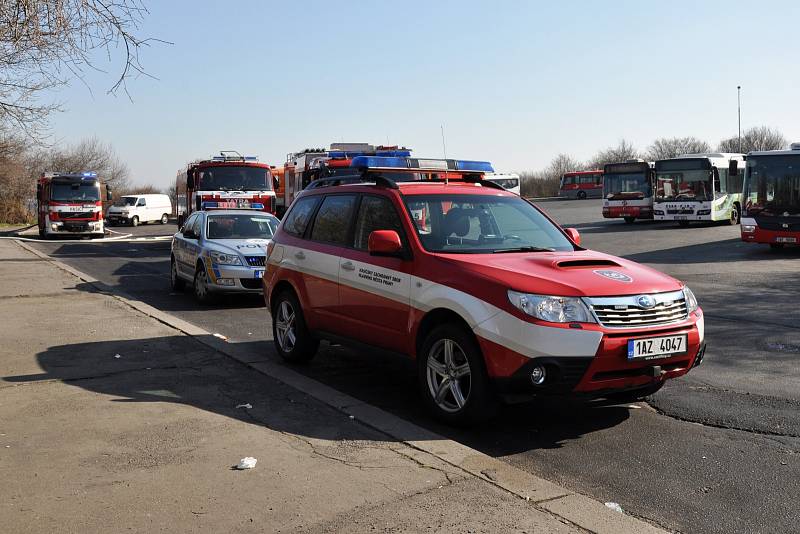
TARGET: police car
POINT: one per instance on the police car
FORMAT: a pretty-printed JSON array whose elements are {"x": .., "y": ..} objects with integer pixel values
[
  {"x": 482, "y": 288},
  {"x": 221, "y": 251}
]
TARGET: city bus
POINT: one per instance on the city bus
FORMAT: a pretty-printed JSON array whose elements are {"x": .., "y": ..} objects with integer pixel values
[
  {"x": 699, "y": 187},
  {"x": 628, "y": 190},
  {"x": 771, "y": 197},
  {"x": 581, "y": 184},
  {"x": 508, "y": 181}
]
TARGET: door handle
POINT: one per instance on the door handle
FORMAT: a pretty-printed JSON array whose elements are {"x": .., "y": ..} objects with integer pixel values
[
  {"x": 348, "y": 266},
  {"x": 299, "y": 255}
]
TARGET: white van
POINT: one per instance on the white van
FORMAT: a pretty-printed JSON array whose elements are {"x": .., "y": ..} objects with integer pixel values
[{"x": 140, "y": 209}]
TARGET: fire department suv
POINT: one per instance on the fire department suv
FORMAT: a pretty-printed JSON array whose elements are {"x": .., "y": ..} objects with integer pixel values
[{"x": 489, "y": 295}]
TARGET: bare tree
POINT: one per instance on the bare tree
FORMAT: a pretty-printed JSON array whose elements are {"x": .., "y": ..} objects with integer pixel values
[
  {"x": 756, "y": 138},
  {"x": 145, "y": 189},
  {"x": 45, "y": 43},
  {"x": 87, "y": 155},
  {"x": 545, "y": 183},
  {"x": 17, "y": 201},
  {"x": 670, "y": 147},
  {"x": 622, "y": 152}
]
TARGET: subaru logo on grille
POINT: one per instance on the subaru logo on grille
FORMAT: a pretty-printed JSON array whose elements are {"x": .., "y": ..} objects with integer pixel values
[
  {"x": 645, "y": 301},
  {"x": 785, "y": 225}
]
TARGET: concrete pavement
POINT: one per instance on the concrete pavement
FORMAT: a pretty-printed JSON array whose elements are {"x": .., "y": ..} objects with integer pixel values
[{"x": 111, "y": 420}]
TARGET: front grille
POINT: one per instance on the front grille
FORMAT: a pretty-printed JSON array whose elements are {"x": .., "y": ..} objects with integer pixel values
[
  {"x": 256, "y": 261},
  {"x": 250, "y": 283},
  {"x": 626, "y": 312},
  {"x": 75, "y": 214},
  {"x": 777, "y": 226}
]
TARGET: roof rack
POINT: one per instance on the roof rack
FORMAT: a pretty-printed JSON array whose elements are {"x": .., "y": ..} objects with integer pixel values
[
  {"x": 476, "y": 179},
  {"x": 331, "y": 181}
]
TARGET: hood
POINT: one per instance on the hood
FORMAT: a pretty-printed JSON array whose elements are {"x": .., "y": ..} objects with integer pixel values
[
  {"x": 244, "y": 247},
  {"x": 571, "y": 274}
]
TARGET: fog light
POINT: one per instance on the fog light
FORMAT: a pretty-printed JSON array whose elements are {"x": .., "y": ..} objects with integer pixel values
[
  {"x": 538, "y": 375},
  {"x": 54, "y": 227},
  {"x": 225, "y": 281},
  {"x": 748, "y": 228},
  {"x": 704, "y": 212}
]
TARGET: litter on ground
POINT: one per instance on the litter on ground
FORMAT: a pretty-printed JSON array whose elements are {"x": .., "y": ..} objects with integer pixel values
[
  {"x": 614, "y": 506},
  {"x": 246, "y": 463},
  {"x": 246, "y": 406}
]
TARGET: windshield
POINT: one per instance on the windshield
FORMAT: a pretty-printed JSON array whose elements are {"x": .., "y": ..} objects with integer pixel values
[
  {"x": 75, "y": 191},
  {"x": 477, "y": 224},
  {"x": 505, "y": 183},
  {"x": 626, "y": 186},
  {"x": 235, "y": 178},
  {"x": 772, "y": 185},
  {"x": 684, "y": 185},
  {"x": 241, "y": 226},
  {"x": 126, "y": 201}
]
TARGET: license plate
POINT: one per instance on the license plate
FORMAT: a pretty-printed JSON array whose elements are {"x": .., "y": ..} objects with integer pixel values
[
  {"x": 656, "y": 347},
  {"x": 681, "y": 218},
  {"x": 786, "y": 240},
  {"x": 258, "y": 274}
]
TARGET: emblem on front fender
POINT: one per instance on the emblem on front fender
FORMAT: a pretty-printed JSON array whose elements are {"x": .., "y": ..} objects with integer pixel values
[{"x": 614, "y": 275}]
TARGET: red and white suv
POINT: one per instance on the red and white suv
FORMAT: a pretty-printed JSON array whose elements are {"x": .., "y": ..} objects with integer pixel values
[{"x": 490, "y": 296}]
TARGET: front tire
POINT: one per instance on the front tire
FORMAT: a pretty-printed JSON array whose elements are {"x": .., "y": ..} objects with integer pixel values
[
  {"x": 291, "y": 336},
  {"x": 734, "y": 220},
  {"x": 176, "y": 281},
  {"x": 135, "y": 220},
  {"x": 452, "y": 377},
  {"x": 201, "y": 283},
  {"x": 581, "y": 195},
  {"x": 630, "y": 220}
]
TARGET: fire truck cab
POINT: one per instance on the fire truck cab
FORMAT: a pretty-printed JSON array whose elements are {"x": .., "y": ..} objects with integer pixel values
[
  {"x": 70, "y": 204},
  {"x": 227, "y": 181}
]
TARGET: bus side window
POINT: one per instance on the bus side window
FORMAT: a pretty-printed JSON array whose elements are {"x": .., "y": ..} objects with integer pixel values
[{"x": 723, "y": 180}]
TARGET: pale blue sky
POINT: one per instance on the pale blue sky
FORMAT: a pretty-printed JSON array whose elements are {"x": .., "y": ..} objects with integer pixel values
[{"x": 512, "y": 82}]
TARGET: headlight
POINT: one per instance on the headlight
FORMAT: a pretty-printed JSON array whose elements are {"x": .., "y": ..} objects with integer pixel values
[
  {"x": 225, "y": 259},
  {"x": 551, "y": 309},
  {"x": 691, "y": 300},
  {"x": 748, "y": 228}
]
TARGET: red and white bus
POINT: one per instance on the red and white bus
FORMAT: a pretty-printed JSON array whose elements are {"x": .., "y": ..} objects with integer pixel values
[
  {"x": 771, "y": 196},
  {"x": 628, "y": 190},
  {"x": 581, "y": 184}
]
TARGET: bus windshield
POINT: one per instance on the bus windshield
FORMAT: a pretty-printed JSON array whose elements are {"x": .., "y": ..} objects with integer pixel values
[
  {"x": 234, "y": 178},
  {"x": 685, "y": 185},
  {"x": 74, "y": 191},
  {"x": 772, "y": 185},
  {"x": 626, "y": 186}
]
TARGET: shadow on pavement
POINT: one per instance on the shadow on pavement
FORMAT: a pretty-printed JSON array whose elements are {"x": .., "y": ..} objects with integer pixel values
[
  {"x": 179, "y": 369},
  {"x": 728, "y": 250}
]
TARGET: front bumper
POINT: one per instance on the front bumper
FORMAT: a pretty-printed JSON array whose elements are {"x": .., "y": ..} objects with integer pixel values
[
  {"x": 622, "y": 212},
  {"x": 234, "y": 278},
  {"x": 760, "y": 235},
  {"x": 607, "y": 371},
  {"x": 75, "y": 228}
]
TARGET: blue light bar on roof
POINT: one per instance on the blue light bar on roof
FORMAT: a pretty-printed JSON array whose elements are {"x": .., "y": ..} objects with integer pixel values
[
  {"x": 398, "y": 163},
  {"x": 89, "y": 174}
]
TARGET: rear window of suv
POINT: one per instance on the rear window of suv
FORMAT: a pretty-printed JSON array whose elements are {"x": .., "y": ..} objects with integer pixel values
[
  {"x": 333, "y": 219},
  {"x": 299, "y": 216}
]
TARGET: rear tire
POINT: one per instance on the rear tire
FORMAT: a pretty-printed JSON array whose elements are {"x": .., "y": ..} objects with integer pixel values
[
  {"x": 291, "y": 336},
  {"x": 581, "y": 195},
  {"x": 452, "y": 377},
  {"x": 135, "y": 220},
  {"x": 630, "y": 220},
  {"x": 164, "y": 219},
  {"x": 176, "y": 281},
  {"x": 636, "y": 395}
]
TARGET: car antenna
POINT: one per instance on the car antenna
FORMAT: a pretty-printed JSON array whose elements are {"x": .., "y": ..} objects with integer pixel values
[{"x": 444, "y": 150}]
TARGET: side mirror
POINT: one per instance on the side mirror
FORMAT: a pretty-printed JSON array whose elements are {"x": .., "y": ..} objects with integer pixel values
[
  {"x": 733, "y": 168},
  {"x": 574, "y": 235},
  {"x": 188, "y": 233},
  {"x": 384, "y": 243},
  {"x": 109, "y": 194},
  {"x": 190, "y": 180}
]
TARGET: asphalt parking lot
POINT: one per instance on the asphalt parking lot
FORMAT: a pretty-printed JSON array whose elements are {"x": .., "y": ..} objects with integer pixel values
[{"x": 716, "y": 451}]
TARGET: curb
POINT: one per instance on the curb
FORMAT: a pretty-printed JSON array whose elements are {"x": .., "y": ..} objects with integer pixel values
[{"x": 570, "y": 507}]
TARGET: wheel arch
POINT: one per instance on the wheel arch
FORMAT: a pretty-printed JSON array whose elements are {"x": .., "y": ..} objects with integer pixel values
[{"x": 434, "y": 318}]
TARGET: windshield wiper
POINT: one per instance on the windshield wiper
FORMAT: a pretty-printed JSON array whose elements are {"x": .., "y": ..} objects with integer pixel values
[{"x": 524, "y": 249}]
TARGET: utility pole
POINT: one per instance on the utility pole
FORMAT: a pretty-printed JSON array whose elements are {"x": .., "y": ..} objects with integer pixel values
[{"x": 739, "y": 99}]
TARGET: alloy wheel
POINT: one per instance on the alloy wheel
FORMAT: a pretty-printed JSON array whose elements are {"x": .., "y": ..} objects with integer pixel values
[
  {"x": 201, "y": 285},
  {"x": 285, "y": 326},
  {"x": 449, "y": 375}
]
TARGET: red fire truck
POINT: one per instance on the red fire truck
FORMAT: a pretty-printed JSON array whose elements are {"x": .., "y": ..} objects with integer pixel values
[
  {"x": 227, "y": 181},
  {"x": 304, "y": 167},
  {"x": 70, "y": 204}
]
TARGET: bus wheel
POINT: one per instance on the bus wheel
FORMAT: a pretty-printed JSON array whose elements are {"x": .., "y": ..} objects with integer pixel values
[
  {"x": 683, "y": 224},
  {"x": 581, "y": 195},
  {"x": 630, "y": 220},
  {"x": 734, "y": 215}
]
